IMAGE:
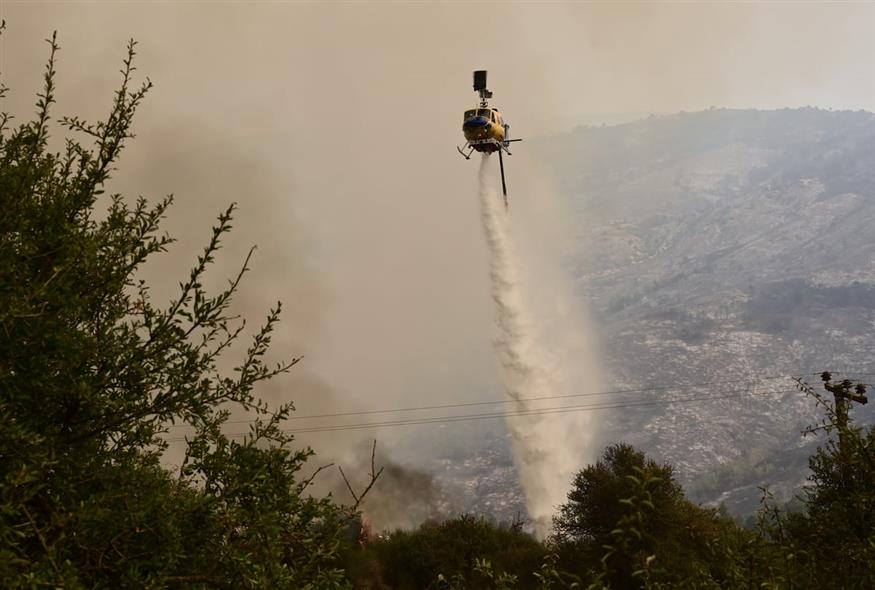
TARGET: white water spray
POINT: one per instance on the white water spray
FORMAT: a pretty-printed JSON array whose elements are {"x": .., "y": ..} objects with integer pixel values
[{"x": 543, "y": 350}]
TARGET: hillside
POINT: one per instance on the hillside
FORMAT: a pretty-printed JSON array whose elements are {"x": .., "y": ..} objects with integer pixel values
[{"x": 717, "y": 247}]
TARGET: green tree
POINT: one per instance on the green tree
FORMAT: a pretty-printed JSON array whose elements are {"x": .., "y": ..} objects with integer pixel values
[
  {"x": 839, "y": 520},
  {"x": 629, "y": 521},
  {"x": 93, "y": 371},
  {"x": 593, "y": 510},
  {"x": 831, "y": 543}
]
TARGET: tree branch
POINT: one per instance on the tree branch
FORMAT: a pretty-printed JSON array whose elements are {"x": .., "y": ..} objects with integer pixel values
[{"x": 374, "y": 475}]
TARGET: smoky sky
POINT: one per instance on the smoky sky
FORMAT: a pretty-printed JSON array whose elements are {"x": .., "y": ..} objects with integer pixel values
[{"x": 333, "y": 125}]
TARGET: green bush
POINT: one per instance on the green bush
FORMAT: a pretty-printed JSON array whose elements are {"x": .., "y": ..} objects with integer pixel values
[{"x": 415, "y": 559}]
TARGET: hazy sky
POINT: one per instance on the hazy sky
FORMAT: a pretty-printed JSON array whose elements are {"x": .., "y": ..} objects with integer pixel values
[
  {"x": 334, "y": 126},
  {"x": 588, "y": 58}
]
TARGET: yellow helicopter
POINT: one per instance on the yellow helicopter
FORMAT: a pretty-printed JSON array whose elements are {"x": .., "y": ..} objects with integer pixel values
[{"x": 485, "y": 130}]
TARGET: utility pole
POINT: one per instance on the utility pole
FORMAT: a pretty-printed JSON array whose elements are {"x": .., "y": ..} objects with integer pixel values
[{"x": 844, "y": 392}]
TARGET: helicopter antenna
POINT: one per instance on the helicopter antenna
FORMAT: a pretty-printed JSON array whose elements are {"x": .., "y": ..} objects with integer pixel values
[{"x": 480, "y": 87}]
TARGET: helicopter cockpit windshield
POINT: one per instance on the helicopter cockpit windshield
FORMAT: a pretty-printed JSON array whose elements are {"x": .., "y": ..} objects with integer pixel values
[{"x": 487, "y": 114}]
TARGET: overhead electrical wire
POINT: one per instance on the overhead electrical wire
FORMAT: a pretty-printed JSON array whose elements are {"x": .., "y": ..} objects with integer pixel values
[
  {"x": 530, "y": 399},
  {"x": 752, "y": 382},
  {"x": 527, "y": 412},
  {"x": 530, "y": 412}
]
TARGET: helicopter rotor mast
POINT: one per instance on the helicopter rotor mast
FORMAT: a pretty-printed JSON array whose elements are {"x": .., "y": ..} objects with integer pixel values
[{"x": 480, "y": 88}]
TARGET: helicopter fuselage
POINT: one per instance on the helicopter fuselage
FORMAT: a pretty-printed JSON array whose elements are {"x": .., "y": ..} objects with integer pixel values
[{"x": 484, "y": 129}]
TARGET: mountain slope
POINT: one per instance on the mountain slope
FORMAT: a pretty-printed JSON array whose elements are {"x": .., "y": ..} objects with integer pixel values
[{"x": 721, "y": 247}]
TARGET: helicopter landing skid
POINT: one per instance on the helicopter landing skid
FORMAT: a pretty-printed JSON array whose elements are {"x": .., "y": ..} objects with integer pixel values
[{"x": 464, "y": 155}]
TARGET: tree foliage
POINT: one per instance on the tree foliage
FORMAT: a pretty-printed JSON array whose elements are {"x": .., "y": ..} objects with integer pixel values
[
  {"x": 629, "y": 513},
  {"x": 450, "y": 550},
  {"x": 93, "y": 371},
  {"x": 831, "y": 543}
]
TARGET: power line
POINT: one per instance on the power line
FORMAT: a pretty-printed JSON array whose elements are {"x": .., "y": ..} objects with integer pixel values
[
  {"x": 532, "y": 412},
  {"x": 427, "y": 420},
  {"x": 505, "y": 400},
  {"x": 526, "y": 399}
]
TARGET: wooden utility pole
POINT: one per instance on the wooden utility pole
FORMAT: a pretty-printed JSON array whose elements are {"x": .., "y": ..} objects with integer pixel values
[{"x": 844, "y": 392}]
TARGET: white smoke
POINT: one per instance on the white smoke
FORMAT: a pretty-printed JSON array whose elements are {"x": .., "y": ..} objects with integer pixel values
[{"x": 544, "y": 350}]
